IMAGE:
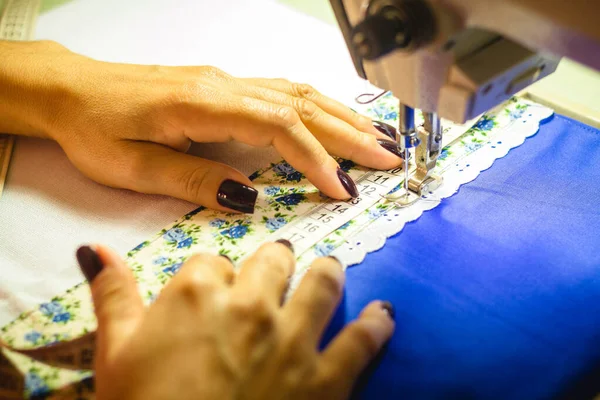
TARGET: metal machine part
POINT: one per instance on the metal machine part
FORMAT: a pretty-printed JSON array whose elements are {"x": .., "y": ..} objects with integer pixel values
[
  {"x": 459, "y": 58},
  {"x": 430, "y": 137},
  {"x": 455, "y": 59}
]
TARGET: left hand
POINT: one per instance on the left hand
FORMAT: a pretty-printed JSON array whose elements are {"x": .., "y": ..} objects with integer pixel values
[{"x": 129, "y": 126}]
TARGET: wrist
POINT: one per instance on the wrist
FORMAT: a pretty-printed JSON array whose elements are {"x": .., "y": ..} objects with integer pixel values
[{"x": 33, "y": 87}]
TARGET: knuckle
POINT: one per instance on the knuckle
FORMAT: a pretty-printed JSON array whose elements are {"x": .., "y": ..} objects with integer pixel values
[
  {"x": 136, "y": 165},
  {"x": 193, "y": 182},
  {"x": 306, "y": 109},
  {"x": 211, "y": 71},
  {"x": 364, "y": 337},
  {"x": 303, "y": 90},
  {"x": 357, "y": 142},
  {"x": 287, "y": 117},
  {"x": 193, "y": 286},
  {"x": 253, "y": 307},
  {"x": 327, "y": 379}
]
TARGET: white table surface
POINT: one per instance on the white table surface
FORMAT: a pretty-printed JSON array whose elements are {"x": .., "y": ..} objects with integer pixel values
[{"x": 48, "y": 208}]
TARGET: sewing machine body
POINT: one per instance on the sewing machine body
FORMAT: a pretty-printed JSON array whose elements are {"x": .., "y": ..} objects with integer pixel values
[{"x": 456, "y": 59}]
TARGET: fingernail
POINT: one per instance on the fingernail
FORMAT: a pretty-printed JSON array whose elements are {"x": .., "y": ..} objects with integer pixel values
[
  {"x": 390, "y": 146},
  {"x": 237, "y": 196},
  {"x": 388, "y": 308},
  {"x": 347, "y": 183},
  {"x": 386, "y": 129},
  {"x": 286, "y": 243},
  {"x": 89, "y": 262}
]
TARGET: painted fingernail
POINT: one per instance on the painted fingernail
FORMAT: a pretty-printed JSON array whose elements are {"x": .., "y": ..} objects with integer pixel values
[
  {"x": 347, "y": 183},
  {"x": 390, "y": 146},
  {"x": 89, "y": 262},
  {"x": 386, "y": 129},
  {"x": 237, "y": 196},
  {"x": 286, "y": 243},
  {"x": 388, "y": 308}
]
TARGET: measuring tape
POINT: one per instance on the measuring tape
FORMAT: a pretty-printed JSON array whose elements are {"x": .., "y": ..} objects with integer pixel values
[
  {"x": 373, "y": 186},
  {"x": 17, "y": 22}
]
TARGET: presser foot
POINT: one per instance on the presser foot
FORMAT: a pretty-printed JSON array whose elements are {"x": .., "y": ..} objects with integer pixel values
[
  {"x": 403, "y": 198},
  {"x": 425, "y": 186}
]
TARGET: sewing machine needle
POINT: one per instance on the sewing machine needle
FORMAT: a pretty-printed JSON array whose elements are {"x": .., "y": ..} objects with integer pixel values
[{"x": 406, "y": 155}]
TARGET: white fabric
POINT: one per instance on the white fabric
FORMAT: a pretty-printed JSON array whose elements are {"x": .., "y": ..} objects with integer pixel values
[{"x": 48, "y": 208}]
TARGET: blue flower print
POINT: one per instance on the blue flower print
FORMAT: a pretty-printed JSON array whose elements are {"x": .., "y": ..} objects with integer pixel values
[
  {"x": 35, "y": 385},
  {"x": 294, "y": 177},
  {"x": 235, "y": 232},
  {"x": 323, "y": 249},
  {"x": 381, "y": 111},
  {"x": 287, "y": 171},
  {"x": 376, "y": 213},
  {"x": 516, "y": 114},
  {"x": 33, "y": 336},
  {"x": 62, "y": 317},
  {"x": 346, "y": 165},
  {"x": 443, "y": 154},
  {"x": 283, "y": 169},
  {"x": 345, "y": 226},
  {"x": 52, "y": 308},
  {"x": 290, "y": 199},
  {"x": 271, "y": 190},
  {"x": 216, "y": 223},
  {"x": 398, "y": 187},
  {"x": 160, "y": 260},
  {"x": 172, "y": 269},
  {"x": 175, "y": 235},
  {"x": 472, "y": 146},
  {"x": 484, "y": 124},
  {"x": 185, "y": 243},
  {"x": 390, "y": 116},
  {"x": 139, "y": 246},
  {"x": 273, "y": 224}
]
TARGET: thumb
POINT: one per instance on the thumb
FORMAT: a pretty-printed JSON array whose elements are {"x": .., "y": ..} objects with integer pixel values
[
  {"x": 207, "y": 183},
  {"x": 117, "y": 303}
]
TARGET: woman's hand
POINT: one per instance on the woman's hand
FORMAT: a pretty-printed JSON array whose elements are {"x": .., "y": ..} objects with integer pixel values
[
  {"x": 212, "y": 334},
  {"x": 129, "y": 126}
]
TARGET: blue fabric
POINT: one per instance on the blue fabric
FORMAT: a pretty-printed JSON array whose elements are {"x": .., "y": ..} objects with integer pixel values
[{"x": 497, "y": 290}]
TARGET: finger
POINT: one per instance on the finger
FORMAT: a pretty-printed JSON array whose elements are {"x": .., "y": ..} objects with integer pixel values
[
  {"x": 156, "y": 169},
  {"x": 315, "y": 300},
  {"x": 215, "y": 270},
  {"x": 226, "y": 116},
  {"x": 338, "y": 137},
  {"x": 329, "y": 105},
  {"x": 267, "y": 270},
  {"x": 117, "y": 303},
  {"x": 358, "y": 343},
  {"x": 261, "y": 123},
  {"x": 200, "y": 276}
]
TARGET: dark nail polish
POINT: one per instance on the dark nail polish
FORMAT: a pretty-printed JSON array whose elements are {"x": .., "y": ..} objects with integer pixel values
[
  {"x": 89, "y": 262},
  {"x": 286, "y": 243},
  {"x": 388, "y": 308},
  {"x": 347, "y": 183},
  {"x": 386, "y": 129},
  {"x": 390, "y": 146},
  {"x": 237, "y": 196}
]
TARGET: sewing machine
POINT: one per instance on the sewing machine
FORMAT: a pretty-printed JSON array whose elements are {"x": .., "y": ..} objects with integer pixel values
[{"x": 456, "y": 59}]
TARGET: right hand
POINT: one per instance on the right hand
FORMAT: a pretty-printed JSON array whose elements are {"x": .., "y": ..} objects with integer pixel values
[{"x": 212, "y": 334}]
